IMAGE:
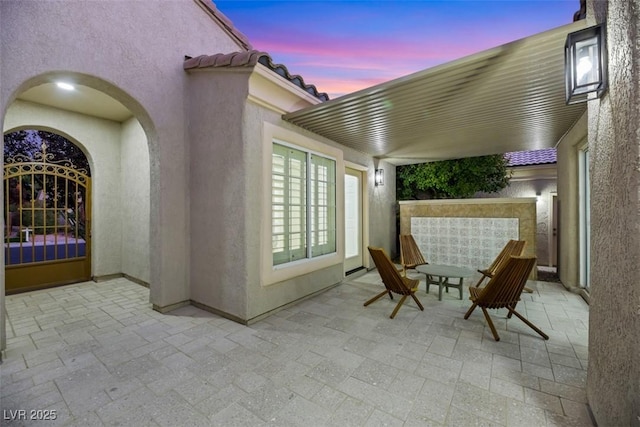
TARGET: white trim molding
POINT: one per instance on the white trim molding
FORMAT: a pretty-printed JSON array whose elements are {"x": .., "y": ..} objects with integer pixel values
[{"x": 271, "y": 275}]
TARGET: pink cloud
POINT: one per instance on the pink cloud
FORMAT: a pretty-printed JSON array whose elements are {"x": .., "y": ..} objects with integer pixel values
[
  {"x": 340, "y": 87},
  {"x": 339, "y": 65},
  {"x": 355, "y": 57},
  {"x": 355, "y": 49}
]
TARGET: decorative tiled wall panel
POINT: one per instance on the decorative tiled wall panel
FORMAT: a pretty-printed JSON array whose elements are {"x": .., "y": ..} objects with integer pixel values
[{"x": 465, "y": 242}]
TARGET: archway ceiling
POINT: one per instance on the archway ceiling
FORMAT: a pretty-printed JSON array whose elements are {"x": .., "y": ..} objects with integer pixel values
[
  {"x": 82, "y": 99},
  {"x": 509, "y": 98}
]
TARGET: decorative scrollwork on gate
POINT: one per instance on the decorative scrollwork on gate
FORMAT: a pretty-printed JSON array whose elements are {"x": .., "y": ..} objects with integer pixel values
[
  {"x": 45, "y": 163},
  {"x": 45, "y": 208}
]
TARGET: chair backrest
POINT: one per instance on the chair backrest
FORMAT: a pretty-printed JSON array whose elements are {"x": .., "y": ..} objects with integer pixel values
[
  {"x": 410, "y": 255},
  {"x": 388, "y": 272},
  {"x": 505, "y": 287},
  {"x": 512, "y": 248}
]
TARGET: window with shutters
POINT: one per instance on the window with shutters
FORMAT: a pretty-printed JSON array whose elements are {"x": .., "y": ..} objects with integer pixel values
[{"x": 303, "y": 204}]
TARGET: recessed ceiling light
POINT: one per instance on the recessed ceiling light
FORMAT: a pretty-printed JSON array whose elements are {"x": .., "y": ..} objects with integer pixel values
[{"x": 65, "y": 86}]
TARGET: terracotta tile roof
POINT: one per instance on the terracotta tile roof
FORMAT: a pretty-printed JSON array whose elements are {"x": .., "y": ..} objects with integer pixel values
[
  {"x": 225, "y": 23},
  {"x": 535, "y": 157},
  {"x": 250, "y": 59},
  {"x": 235, "y": 59}
]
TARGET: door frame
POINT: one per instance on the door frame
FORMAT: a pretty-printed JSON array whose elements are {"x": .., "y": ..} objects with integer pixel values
[
  {"x": 584, "y": 212},
  {"x": 553, "y": 222},
  {"x": 364, "y": 190}
]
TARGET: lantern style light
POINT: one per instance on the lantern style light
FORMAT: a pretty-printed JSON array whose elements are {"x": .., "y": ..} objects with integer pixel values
[
  {"x": 585, "y": 64},
  {"x": 379, "y": 177}
]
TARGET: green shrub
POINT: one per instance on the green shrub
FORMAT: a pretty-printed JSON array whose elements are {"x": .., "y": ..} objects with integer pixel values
[{"x": 37, "y": 217}]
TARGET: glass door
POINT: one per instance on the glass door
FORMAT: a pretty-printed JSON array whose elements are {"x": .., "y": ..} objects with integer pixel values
[
  {"x": 585, "y": 220},
  {"x": 353, "y": 220}
]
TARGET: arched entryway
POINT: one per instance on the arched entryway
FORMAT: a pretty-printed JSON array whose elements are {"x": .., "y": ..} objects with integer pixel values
[
  {"x": 116, "y": 144},
  {"x": 47, "y": 200}
]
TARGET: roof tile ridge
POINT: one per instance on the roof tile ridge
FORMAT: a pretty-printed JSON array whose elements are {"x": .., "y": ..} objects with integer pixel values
[
  {"x": 282, "y": 70},
  {"x": 226, "y": 23},
  {"x": 233, "y": 59},
  {"x": 250, "y": 58}
]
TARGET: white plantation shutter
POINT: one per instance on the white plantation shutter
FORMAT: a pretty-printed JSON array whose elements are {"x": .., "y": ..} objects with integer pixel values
[
  {"x": 303, "y": 204},
  {"x": 323, "y": 205},
  {"x": 288, "y": 204}
]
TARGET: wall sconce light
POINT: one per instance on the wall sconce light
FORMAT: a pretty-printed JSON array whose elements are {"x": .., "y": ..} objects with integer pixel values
[
  {"x": 538, "y": 196},
  {"x": 379, "y": 177},
  {"x": 585, "y": 64}
]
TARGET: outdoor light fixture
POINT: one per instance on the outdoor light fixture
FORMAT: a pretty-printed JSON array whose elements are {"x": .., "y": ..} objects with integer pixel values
[
  {"x": 379, "y": 178},
  {"x": 585, "y": 64}
]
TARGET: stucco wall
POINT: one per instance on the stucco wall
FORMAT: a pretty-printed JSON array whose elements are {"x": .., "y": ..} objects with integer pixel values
[
  {"x": 133, "y": 51},
  {"x": 613, "y": 379},
  {"x": 530, "y": 188},
  {"x": 100, "y": 141},
  {"x": 218, "y": 187},
  {"x": 383, "y": 208},
  {"x": 134, "y": 201},
  {"x": 568, "y": 204},
  {"x": 381, "y": 225},
  {"x": 231, "y": 141},
  {"x": 263, "y": 295}
]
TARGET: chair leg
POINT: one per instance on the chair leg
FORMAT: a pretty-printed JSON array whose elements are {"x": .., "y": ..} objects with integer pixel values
[
  {"x": 490, "y": 322},
  {"x": 404, "y": 297},
  {"x": 510, "y": 313},
  {"x": 528, "y": 290},
  {"x": 531, "y": 325},
  {"x": 377, "y": 297},
  {"x": 417, "y": 302},
  {"x": 473, "y": 307}
]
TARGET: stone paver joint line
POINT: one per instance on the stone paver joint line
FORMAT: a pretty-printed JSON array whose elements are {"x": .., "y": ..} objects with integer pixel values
[{"x": 97, "y": 354}]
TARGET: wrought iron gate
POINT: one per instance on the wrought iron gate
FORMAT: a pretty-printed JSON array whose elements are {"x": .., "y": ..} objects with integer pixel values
[{"x": 47, "y": 218}]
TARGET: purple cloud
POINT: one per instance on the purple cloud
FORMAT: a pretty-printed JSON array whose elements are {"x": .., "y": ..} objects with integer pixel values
[{"x": 344, "y": 46}]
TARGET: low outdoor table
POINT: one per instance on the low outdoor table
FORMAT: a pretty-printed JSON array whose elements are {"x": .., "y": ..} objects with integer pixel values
[{"x": 444, "y": 273}]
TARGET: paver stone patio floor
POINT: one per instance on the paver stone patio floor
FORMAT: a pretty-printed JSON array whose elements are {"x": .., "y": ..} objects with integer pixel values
[{"x": 97, "y": 354}]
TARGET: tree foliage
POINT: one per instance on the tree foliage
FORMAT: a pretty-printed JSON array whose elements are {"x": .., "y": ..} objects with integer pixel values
[
  {"x": 46, "y": 200},
  {"x": 452, "y": 179},
  {"x": 29, "y": 142}
]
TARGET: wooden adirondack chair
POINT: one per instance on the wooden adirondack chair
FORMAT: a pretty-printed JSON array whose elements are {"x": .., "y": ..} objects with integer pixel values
[
  {"x": 393, "y": 281},
  {"x": 512, "y": 248},
  {"x": 410, "y": 255},
  {"x": 503, "y": 291}
]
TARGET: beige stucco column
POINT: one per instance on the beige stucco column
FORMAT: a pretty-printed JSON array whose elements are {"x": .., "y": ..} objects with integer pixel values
[{"x": 613, "y": 381}]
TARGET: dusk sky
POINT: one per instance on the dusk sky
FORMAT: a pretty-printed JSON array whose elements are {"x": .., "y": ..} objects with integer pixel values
[{"x": 345, "y": 46}]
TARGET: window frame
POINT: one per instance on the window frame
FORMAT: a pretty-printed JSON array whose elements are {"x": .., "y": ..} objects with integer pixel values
[
  {"x": 311, "y": 206},
  {"x": 270, "y": 274}
]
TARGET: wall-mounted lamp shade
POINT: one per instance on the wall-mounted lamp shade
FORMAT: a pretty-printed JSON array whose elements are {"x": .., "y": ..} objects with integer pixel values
[
  {"x": 379, "y": 177},
  {"x": 585, "y": 64}
]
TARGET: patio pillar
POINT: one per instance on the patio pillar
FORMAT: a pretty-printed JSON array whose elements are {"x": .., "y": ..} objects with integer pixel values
[{"x": 613, "y": 379}]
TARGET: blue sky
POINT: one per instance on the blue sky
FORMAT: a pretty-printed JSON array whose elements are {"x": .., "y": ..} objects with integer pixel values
[{"x": 344, "y": 46}]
